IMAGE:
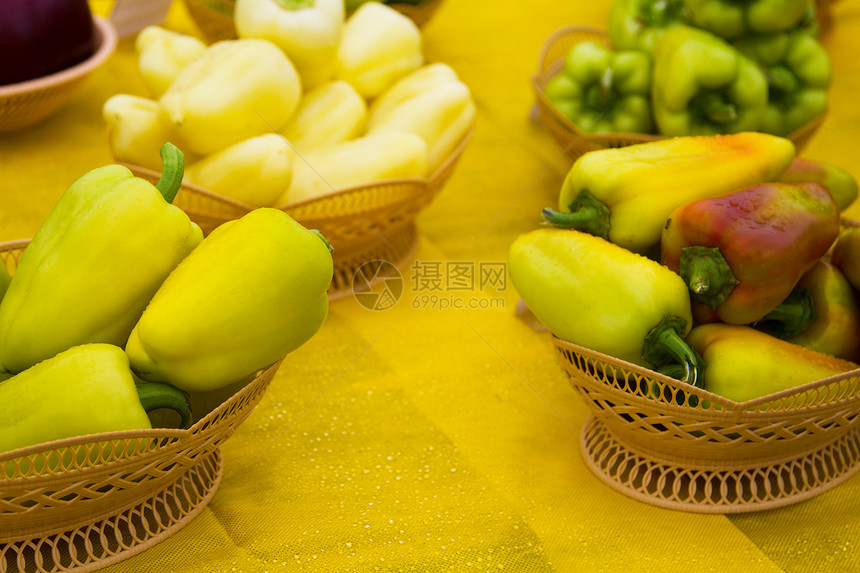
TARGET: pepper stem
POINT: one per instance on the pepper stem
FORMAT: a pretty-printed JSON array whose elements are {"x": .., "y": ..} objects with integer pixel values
[
  {"x": 587, "y": 214},
  {"x": 155, "y": 395},
  {"x": 172, "y": 170},
  {"x": 295, "y": 4},
  {"x": 664, "y": 344},
  {"x": 707, "y": 274},
  {"x": 323, "y": 239},
  {"x": 792, "y": 317},
  {"x": 717, "y": 109}
]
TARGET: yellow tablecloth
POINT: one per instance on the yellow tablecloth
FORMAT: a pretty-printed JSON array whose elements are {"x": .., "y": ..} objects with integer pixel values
[{"x": 420, "y": 439}]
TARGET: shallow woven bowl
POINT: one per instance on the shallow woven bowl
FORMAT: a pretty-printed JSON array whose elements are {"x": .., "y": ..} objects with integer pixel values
[
  {"x": 27, "y": 103},
  {"x": 666, "y": 443},
  {"x": 99, "y": 499},
  {"x": 214, "y": 18},
  {"x": 570, "y": 138},
  {"x": 364, "y": 223}
]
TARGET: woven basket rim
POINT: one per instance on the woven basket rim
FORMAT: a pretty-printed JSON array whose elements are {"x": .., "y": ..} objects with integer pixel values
[
  {"x": 420, "y": 183},
  {"x": 733, "y": 410},
  {"x": 542, "y": 75},
  {"x": 106, "y": 39}
]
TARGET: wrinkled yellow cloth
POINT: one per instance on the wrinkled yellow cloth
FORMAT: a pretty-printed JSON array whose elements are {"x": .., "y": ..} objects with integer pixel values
[{"x": 422, "y": 438}]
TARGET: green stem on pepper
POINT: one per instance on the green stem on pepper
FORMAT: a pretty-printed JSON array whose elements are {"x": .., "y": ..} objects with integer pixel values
[
  {"x": 155, "y": 395},
  {"x": 587, "y": 214},
  {"x": 172, "y": 171},
  {"x": 707, "y": 274},
  {"x": 665, "y": 345}
]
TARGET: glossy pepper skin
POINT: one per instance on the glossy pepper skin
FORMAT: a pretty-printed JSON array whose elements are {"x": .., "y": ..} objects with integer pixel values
[
  {"x": 846, "y": 255},
  {"x": 593, "y": 293},
  {"x": 4, "y": 280},
  {"x": 637, "y": 24},
  {"x": 625, "y": 194},
  {"x": 87, "y": 389},
  {"x": 162, "y": 54},
  {"x": 702, "y": 85},
  {"x": 798, "y": 73},
  {"x": 834, "y": 325},
  {"x": 602, "y": 90},
  {"x": 250, "y": 293},
  {"x": 730, "y": 18},
  {"x": 841, "y": 184},
  {"x": 308, "y": 31},
  {"x": 742, "y": 253},
  {"x": 745, "y": 363},
  {"x": 94, "y": 263}
]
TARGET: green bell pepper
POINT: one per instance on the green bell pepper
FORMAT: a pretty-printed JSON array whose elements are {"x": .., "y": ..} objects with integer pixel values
[
  {"x": 87, "y": 389},
  {"x": 250, "y": 293},
  {"x": 601, "y": 90},
  {"x": 94, "y": 263},
  {"x": 702, "y": 85},
  {"x": 637, "y": 24},
  {"x": 596, "y": 294},
  {"x": 733, "y": 18},
  {"x": 798, "y": 73}
]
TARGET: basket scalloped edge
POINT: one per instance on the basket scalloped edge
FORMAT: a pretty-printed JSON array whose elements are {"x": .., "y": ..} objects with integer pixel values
[
  {"x": 568, "y": 134},
  {"x": 832, "y": 392},
  {"x": 59, "y": 454}
]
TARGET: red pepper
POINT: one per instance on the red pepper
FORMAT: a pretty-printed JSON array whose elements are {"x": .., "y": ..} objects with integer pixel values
[{"x": 741, "y": 254}]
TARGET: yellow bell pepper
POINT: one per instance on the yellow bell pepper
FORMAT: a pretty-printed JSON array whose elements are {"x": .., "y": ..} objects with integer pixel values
[
  {"x": 87, "y": 389},
  {"x": 626, "y": 194},
  {"x": 440, "y": 116},
  {"x": 421, "y": 80},
  {"x": 308, "y": 31},
  {"x": 250, "y": 293},
  {"x": 378, "y": 47},
  {"x": 744, "y": 363},
  {"x": 255, "y": 171},
  {"x": 162, "y": 54},
  {"x": 235, "y": 90},
  {"x": 94, "y": 263},
  {"x": 331, "y": 113},
  {"x": 136, "y": 132},
  {"x": 357, "y": 162}
]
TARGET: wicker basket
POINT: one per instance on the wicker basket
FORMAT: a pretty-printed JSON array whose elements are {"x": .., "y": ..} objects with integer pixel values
[
  {"x": 574, "y": 142},
  {"x": 214, "y": 18},
  {"x": 84, "y": 503},
  {"x": 364, "y": 223},
  {"x": 666, "y": 443},
  {"x": 27, "y": 103}
]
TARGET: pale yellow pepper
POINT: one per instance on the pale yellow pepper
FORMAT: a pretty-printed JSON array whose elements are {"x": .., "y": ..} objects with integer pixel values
[
  {"x": 378, "y": 47},
  {"x": 136, "y": 132},
  {"x": 419, "y": 81},
  {"x": 357, "y": 162},
  {"x": 331, "y": 113},
  {"x": 235, "y": 90},
  {"x": 441, "y": 116},
  {"x": 162, "y": 54},
  {"x": 256, "y": 171}
]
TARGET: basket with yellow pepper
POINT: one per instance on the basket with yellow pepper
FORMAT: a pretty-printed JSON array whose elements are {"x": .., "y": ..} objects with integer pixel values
[
  {"x": 116, "y": 313},
  {"x": 667, "y": 68},
  {"x": 350, "y": 131},
  {"x": 698, "y": 295}
]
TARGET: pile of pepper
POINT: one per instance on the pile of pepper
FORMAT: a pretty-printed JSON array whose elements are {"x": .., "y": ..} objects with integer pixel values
[
  {"x": 719, "y": 260},
  {"x": 697, "y": 67},
  {"x": 119, "y": 307},
  {"x": 306, "y": 101}
]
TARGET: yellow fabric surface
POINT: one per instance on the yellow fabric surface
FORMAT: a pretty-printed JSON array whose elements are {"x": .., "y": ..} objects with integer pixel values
[{"x": 420, "y": 439}]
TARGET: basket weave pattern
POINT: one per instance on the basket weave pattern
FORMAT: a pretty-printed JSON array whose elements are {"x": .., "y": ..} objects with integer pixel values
[
  {"x": 81, "y": 503},
  {"x": 669, "y": 444},
  {"x": 569, "y": 137}
]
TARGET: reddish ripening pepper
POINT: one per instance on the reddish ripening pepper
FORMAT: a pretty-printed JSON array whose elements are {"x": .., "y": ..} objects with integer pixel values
[{"x": 742, "y": 253}]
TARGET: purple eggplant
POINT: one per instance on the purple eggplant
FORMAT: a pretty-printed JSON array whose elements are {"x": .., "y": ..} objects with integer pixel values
[{"x": 40, "y": 37}]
